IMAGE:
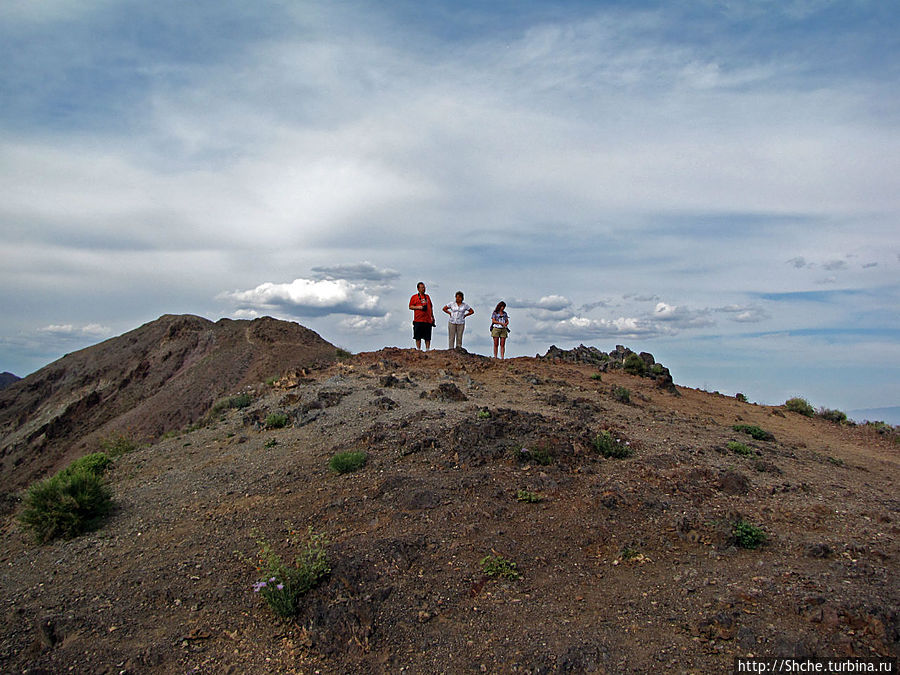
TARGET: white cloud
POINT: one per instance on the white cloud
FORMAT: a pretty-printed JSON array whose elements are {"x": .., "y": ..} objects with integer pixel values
[
  {"x": 745, "y": 313},
  {"x": 833, "y": 265},
  {"x": 307, "y": 297},
  {"x": 583, "y": 328},
  {"x": 68, "y": 330},
  {"x": 366, "y": 325},
  {"x": 364, "y": 271},
  {"x": 682, "y": 317}
]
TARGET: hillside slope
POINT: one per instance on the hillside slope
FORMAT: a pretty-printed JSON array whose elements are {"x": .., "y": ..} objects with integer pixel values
[
  {"x": 156, "y": 378},
  {"x": 628, "y": 565}
]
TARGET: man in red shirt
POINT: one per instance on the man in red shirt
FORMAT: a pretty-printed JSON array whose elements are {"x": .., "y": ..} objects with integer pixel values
[{"x": 423, "y": 317}]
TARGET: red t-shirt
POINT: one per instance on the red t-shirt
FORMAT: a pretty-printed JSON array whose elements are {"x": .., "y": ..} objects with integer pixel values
[{"x": 422, "y": 315}]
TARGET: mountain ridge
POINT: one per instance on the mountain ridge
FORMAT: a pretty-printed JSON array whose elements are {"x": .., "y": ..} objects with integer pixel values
[
  {"x": 628, "y": 563},
  {"x": 160, "y": 376}
]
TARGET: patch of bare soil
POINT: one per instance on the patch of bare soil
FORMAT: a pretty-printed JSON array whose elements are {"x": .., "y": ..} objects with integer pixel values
[{"x": 628, "y": 565}]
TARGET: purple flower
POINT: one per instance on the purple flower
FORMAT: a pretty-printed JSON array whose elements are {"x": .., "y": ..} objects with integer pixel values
[
  {"x": 272, "y": 580},
  {"x": 280, "y": 587},
  {"x": 258, "y": 586}
]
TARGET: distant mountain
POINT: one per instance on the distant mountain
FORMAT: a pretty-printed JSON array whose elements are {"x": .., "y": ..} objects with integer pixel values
[
  {"x": 160, "y": 377},
  {"x": 890, "y": 415},
  {"x": 7, "y": 379}
]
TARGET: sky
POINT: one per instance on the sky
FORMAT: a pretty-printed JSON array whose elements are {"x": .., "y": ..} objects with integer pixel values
[{"x": 716, "y": 182}]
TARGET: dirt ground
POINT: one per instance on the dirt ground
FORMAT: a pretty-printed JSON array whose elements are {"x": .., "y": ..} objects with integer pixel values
[{"x": 627, "y": 565}]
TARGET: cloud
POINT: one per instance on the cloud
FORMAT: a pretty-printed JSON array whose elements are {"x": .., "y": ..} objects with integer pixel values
[
  {"x": 583, "y": 328},
  {"x": 363, "y": 271},
  {"x": 306, "y": 297},
  {"x": 68, "y": 330},
  {"x": 745, "y": 314},
  {"x": 641, "y": 298},
  {"x": 833, "y": 265},
  {"x": 869, "y": 265},
  {"x": 366, "y": 325},
  {"x": 799, "y": 262},
  {"x": 587, "y": 307},
  {"x": 552, "y": 303},
  {"x": 681, "y": 317}
]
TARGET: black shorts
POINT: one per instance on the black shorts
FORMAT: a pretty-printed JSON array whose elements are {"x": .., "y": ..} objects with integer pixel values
[{"x": 421, "y": 331}]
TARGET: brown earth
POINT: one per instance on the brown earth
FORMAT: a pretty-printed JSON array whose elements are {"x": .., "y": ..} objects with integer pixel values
[
  {"x": 161, "y": 376},
  {"x": 628, "y": 565}
]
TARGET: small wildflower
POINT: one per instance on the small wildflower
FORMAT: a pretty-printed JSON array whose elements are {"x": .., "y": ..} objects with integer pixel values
[{"x": 280, "y": 587}]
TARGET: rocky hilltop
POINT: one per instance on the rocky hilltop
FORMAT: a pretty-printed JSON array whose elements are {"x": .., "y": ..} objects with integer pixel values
[
  {"x": 7, "y": 379},
  {"x": 161, "y": 376},
  {"x": 628, "y": 563}
]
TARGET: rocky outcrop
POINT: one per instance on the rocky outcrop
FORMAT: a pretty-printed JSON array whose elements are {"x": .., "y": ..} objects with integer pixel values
[{"x": 620, "y": 358}]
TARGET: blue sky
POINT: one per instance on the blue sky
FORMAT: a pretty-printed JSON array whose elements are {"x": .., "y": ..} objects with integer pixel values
[{"x": 715, "y": 182}]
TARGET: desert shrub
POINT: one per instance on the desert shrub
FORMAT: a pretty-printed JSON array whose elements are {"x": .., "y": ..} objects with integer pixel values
[
  {"x": 629, "y": 553},
  {"x": 276, "y": 421},
  {"x": 498, "y": 566},
  {"x": 271, "y": 443},
  {"x": 237, "y": 401},
  {"x": 740, "y": 448},
  {"x": 346, "y": 462},
  {"x": 539, "y": 455},
  {"x": 118, "y": 445},
  {"x": 271, "y": 380},
  {"x": 740, "y": 397},
  {"x": 527, "y": 496},
  {"x": 484, "y": 414},
  {"x": 657, "y": 369},
  {"x": 611, "y": 447},
  {"x": 754, "y": 432},
  {"x": 342, "y": 354},
  {"x": 70, "y": 502},
  {"x": 747, "y": 535},
  {"x": 799, "y": 405},
  {"x": 634, "y": 365},
  {"x": 597, "y": 376},
  {"x": 621, "y": 394},
  {"x": 837, "y": 461},
  {"x": 836, "y": 416},
  {"x": 283, "y": 585}
]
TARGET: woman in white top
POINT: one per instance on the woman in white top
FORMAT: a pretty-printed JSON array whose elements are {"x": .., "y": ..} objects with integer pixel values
[{"x": 458, "y": 312}]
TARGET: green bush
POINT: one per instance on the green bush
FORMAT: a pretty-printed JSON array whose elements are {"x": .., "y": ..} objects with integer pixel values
[
  {"x": 597, "y": 376},
  {"x": 276, "y": 421},
  {"x": 800, "y": 405},
  {"x": 96, "y": 463},
  {"x": 118, "y": 445},
  {"x": 237, "y": 401},
  {"x": 634, "y": 365},
  {"x": 527, "y": 496},
  {"x": 747, "y": 535},
  {"x": 498, "y": 566},
  {"x": 539, "y": 455},
  {"x": 657, "y": 369},
  {"x": 611, "y": 447},
  {"x": 484, "y": 414},
  {"x": 754, "y": 432},
  {"x": 346, "y": 462},
  {"x": 740, "y": 448},
  {"x": 740, "y": 397},
  {"x": 282, "y": 585},
  {"x": 621, "y": 394},
  {"x": 836, "y": 416},
  {"x": 342, "y": 354},
  {"x": 69, "y": 503}
]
